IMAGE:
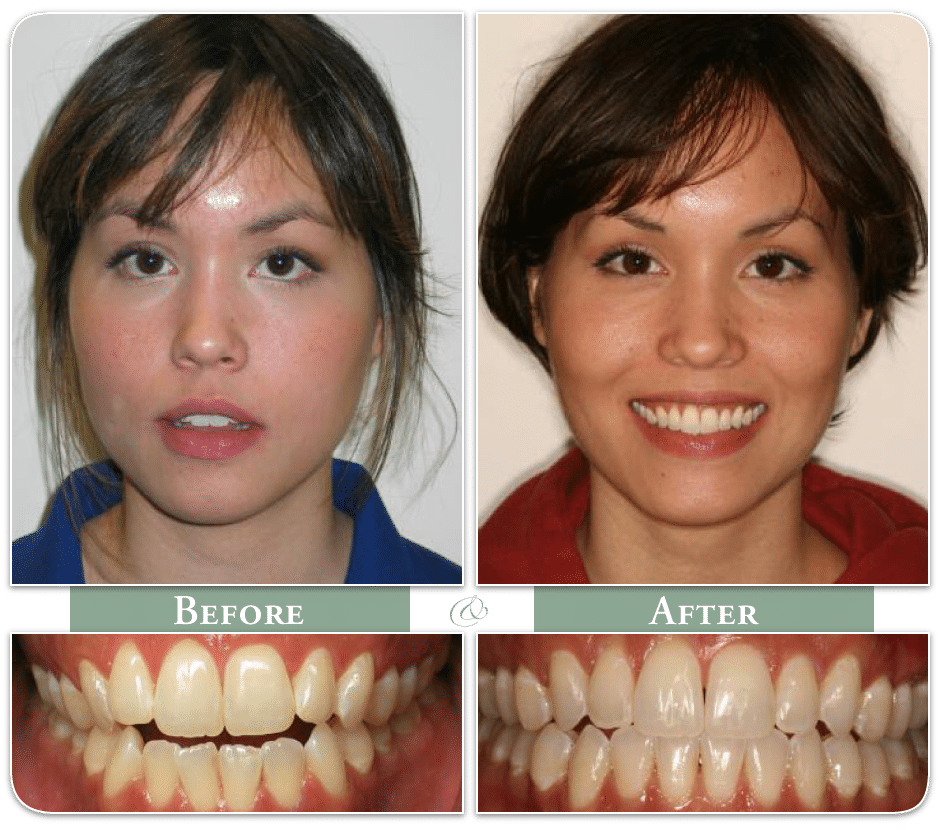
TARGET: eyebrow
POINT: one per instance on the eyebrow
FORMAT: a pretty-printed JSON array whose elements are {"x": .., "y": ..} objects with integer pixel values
[{"x": 780, "y": 220}]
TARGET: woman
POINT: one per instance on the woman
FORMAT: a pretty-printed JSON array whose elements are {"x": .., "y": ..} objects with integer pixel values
[
  {"x": 696, "y": 226},
  {"x": 229, "y": 278}
]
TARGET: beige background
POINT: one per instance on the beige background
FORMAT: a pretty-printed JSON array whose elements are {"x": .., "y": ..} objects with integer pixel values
[{"x": 520, "y": 427}]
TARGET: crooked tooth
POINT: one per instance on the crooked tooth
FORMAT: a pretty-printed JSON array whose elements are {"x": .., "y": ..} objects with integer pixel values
[
  {"x": 797, "y": 696},
  {"x": 875, "y": 774},
  {"x": 676, "y": 765},
  {"x": 259, "y": 699},
  {"x": 610, "y": 690},
  {"x": 590, "y": 763},
  {"x": 874, "y": 711},
  {"x": 325, "y": 760},
  {"x": 739, "y": 700},
  {"x": 808, "y": 768},
  {"x": 126, "y": 763},
  {"x": 844, "y": 764},
  {"x": 131, "y": 687},
  {"x": 766, "y": 765},
  {"x": 532, "y": 703},
  {"x": 840, "y": 694},
  {"x": 520, "y": 756},
  {"x": 160, "y": 772},
  {"x": 98, "y": 749},
  {"x": 240, "y": 771},
  {"x": 631, "y": 756},
  {"x": 486, "y": 694},
  {"x": 283, "y": 770},
  {"x": 75, "y": 705},
  {"x": 900, "y": 757},
  {"x": 315, "y": 688},
  {"x": 95, "y": 690},
  {"x": 690, "y": 420},
  {"x": 901, "y": 710},
  {"x": 722, "y": 759},
  {"x": 919, "y": 705},
  {"x": 199, "y": 774},
  {"x": 188, "y": 697},
  {"x": 383, "y": 700},
  {"x": 505, "y": 686},
  {"x": 667, "y": 701},
  {"x": 356, "y": 747},
  {"x": 550, "y": 754},
  {"x": 568, "y": 683}
]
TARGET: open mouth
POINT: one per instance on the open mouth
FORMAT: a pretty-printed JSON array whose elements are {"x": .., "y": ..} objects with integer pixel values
[
  {"x": 237, "y": 722},
  {"x": 695, "y": 419},
  {"x": 702, "y": 722}
]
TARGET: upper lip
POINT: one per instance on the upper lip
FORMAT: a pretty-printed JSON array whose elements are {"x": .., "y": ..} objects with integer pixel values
[
  {"x": 713, "y": 398},
  {"x": 209, "y": 406}
]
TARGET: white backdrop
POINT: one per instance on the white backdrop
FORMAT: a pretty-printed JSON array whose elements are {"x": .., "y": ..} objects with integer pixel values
[
  {"x": 419, "y": 58},
  {"x": 520, "y": 427}
]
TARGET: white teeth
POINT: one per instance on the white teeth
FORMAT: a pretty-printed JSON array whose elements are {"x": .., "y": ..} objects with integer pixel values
[
  {"x": 95, "y": 690},
  {"x": 919, "y": 705},
  {"x": 840, "y": 695},
  {"x": 406, "y": 689},
  {"x": 506, "y": 696},
  {"x": 844, "y": 765},
  {"x": 325, "y": 760},
  {"x": 797, "y": 696},
  {"x": 486, "y": 694},
  {"x": 675, "y": 762},
  {"x": 550, "y": 755},
  {"x": 75, "y": 705},
  {"x": 206, "y": 421},
  {"x": 568, "y": 682},
  {"x": 874, "y": 711},
  {"x": 383, "y": 700},
  {"x": 126, "y": 762},
  {"x": 690, "y": 420},
  {"x": 632, "y": 756},
  {"x": 590, "y": 763},
  {"x": 668, "y": 697},
  {"x": 721, "y": 759},
  {"x": 766, "y": 765},
  {"x": 160, "y": 772},
  {"x": 131, "y": 687},
  {"x": 315, "y": 687},
  {"x": 501, "y": 747},
  {"x": 693, "y": 419},
  {"x": 610, "y": 690},
  {"x": 900, "y": 757},
  {"x": 353, "y": 690},
  {"x": 901, "y": 711},
  {"x": 919, "y": 742},
  {"x": 357, "y": 748},
  {"x": 283, "y": 770},
  {"x": 520, "y": 756},
  {"x": 739, "y": 702},
  {"x": 259, "y": 699},
  {"x": 240, "y": 770},
  {"x": 532, "y": 702},
  {"x": 199, "y": 774},
  {"x": 188, "y": 699},
  {"x": 875, "y": 774},
  {"x": 807, "y": 767},
  {"x": 98, "y": 749}
]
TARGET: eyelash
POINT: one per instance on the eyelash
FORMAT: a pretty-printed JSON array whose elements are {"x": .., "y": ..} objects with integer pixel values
[{"x": 603, "y": 263}]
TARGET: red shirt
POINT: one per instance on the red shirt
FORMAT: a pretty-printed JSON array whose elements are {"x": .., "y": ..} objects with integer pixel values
[{"x": 530, "y": 539}]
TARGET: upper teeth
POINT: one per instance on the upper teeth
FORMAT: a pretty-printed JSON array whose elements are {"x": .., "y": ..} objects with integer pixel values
[
  {"x": 208, "y": 421},
  {"x": 694, "y": 420}
]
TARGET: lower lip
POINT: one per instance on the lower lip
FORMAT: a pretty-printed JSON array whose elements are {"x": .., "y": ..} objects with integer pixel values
[
  {"x": 208, "y": 443},
  {"x": 710, "y": 446}
]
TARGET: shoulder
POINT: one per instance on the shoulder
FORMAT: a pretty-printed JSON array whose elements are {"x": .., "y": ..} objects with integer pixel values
[
  {"x": 883, "y": 532},
  {"x": 530, "y": 537}
]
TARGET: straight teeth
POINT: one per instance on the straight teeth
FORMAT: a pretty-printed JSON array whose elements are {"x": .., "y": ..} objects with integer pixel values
[
  {"x": 216, "y": 421},
  {"x": 698, "y": 420}
]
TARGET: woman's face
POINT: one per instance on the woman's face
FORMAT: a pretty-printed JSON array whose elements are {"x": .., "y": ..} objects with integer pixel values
[
  {"x": 725, "y": 314},
  {"x": 222, "y": 350}
]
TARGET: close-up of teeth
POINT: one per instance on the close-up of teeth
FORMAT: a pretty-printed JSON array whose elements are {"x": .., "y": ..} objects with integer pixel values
[
  {"x": 677, "y": 724},
  {"x": 209, "y": 421},
  {"x": 248, "y": 734},
  {"x": 698, "y": 420}
]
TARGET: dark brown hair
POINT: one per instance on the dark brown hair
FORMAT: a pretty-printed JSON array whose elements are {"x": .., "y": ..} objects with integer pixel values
[
  {"x": 264, "y": 75},
  {"x": 641, "y": 107}
]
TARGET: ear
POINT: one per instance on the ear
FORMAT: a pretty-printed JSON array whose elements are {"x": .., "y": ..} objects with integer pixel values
[
  {"x": 377, "y": 338},
  {"x": 861, "y": 330},
  {"x": 535, "y": 304}
]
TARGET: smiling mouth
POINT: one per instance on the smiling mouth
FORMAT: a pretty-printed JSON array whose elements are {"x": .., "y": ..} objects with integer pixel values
[
  {"x": 770, "y": 722},
  {"x": 694, "y": 419},
  {"x": 238, "y": 722}
]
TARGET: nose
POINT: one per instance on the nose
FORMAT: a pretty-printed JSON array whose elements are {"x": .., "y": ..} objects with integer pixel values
[
  {"x": 209, "y": 332},
  {"x": 702, "y": 328}
]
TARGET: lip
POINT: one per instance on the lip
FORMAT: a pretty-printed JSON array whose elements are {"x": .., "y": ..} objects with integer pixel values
[{"x": 209, "y": 443}]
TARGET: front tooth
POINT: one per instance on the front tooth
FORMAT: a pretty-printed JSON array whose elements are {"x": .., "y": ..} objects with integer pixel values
[
  {"x": 840, "y": 694},
  {"x": 844, "y": 764},
  {"x": 901, "y": 710},
  {"x": 240, "y": 771},
  {"x": 690, "y": 420},
  {"x": 631, "y": 756},
  {"x": 126, "y": 762},
  {"x": 532, "y": 702},
  {"x": 188, "y": 698},
  {"x": 199, "y": 773},
  {"x": 568, "y": 683},
  {"x": 676, "y": 763},
  {"x": 315, "y": 688},
  {"x": 919, "y": 705},
  {"x": 739, "y": 701},
  {"x": 259, "y": 699},
  {"x": 384, "y": 696},
  {"x": 550, "y": 753},
  {"x": 486, "y": 693},
  {"x": 874, "y": 711},
  {"x": 353, "y": 690},
  {"x": 900, "y": 757},
  {"x": 98, "y": 749},
  {"x": 807, "y": 768},
  {"x": 357, "y": 748},
  {"x": 95, "y": 689},
  {"x": 610, "y": 690},
  {"x": 325, "y": 760},
  {"x": 283, "y": 770},
  {"x": 875, "y": 773},
  {"x": 75, "y": 704},
  {"x": 505, "y": 686},
  {"x": 131, "y": 686},
  {"x": 590, "y": 763},
  {"x": 667, "y": 701},
  {"x": 675, "y": 418},
  {"x": 766, "y": 766},
  {"x": 708, "y": 420},
  {"x": 722, "y": 759},
  {"x": 160, "y": 772},
  {"x": 724, "y": 420},
  {"x": 797, "y": 696}
]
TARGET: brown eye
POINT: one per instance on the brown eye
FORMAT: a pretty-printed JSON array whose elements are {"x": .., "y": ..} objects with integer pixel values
[
  {"x": 149, "y": 263},
  {"x": 280, "y": 265},
  {"x": 778, "y": 267},
  {"x": 769, "y": 266},
  {"x": 631, "y": 262}
]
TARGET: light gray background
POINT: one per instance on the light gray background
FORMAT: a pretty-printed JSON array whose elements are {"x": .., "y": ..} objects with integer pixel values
[
  {"x": 419, "y": 58},
  {"x": 520, "y": 428}
]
